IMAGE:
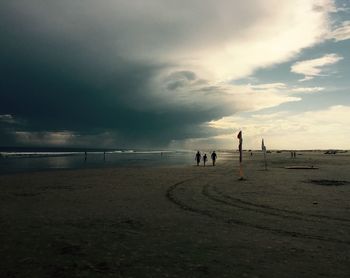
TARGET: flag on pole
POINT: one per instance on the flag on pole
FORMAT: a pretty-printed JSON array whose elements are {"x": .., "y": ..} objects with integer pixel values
[
  {"x": 263, "y": 147},
  {"x": 239, "y": 136}
]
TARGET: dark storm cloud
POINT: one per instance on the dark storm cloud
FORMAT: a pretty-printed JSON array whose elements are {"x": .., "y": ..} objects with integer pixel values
[
  {"x": 179, "y": 79},
  {"x": 64, "y": 73},
  {"x": 52, "y": 93},
  {"x": 51, "y": 99}
]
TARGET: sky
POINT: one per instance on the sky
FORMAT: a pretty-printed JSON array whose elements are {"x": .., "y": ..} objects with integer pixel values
[{"x": 175, "y": 74}]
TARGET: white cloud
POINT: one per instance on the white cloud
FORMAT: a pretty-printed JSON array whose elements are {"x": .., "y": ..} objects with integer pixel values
[
  {"x": 269, "y": 86},
  {"x": 219, "y": 39},
  {"x": 341, "y": 33},
  {"x": 272, "y": 39},
  {"x": 284, "y": 88},
  {"x": 233, "y": 98},
  {"x": 322, "y": 129},
  {"x": 196, "y": 92},
  {"x": 307, "y": 90},
  {"x": 228, "y": 98},
  {"x": 314, "y": 67}
]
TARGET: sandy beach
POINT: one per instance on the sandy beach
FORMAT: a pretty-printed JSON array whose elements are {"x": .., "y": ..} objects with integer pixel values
[{"x": 182, "y": 221}]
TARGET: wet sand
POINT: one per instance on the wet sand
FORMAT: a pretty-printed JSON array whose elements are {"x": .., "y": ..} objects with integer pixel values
[{"x": 183, "y": 221}]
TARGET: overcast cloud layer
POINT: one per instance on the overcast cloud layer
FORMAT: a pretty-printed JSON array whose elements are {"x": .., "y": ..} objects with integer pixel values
[{"x": 143, "y": 73}]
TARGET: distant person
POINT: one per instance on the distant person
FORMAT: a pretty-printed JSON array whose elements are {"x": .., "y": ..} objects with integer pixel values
[
  {"x": 85, "y": 156},
  {"x": 104, "y": 155},
  {"x": 213, "y": 157},
  {"x": 251, "y": 153},
  {"x": 205, "y": 158},
  {"x": 198, "y": 157}
]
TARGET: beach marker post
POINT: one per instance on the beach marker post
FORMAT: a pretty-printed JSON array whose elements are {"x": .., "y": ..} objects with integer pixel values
[
  {"x": 240, "y": 137},
  {"x": 263, "y": 148}
]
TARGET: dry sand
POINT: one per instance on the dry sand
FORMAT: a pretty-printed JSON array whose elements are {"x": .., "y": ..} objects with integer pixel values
[{"x": 179, "y": 222}]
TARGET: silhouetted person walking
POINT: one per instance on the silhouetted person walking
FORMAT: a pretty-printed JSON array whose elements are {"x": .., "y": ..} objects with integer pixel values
[
  {"x": 205, "y": 158},
  {"x": 213, "y": 157},
  {"x": 85, "y": 156},
  {"x": 198, "y": 157}
]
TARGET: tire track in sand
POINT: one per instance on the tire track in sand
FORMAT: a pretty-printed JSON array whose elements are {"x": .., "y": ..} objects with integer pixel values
[
  {"x": 172, "y": 197},
  {"x": 273, "y": 210}
]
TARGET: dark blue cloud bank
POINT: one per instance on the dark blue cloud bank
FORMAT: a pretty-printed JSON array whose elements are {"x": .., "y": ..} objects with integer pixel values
[{"x": 67, "y": 78}]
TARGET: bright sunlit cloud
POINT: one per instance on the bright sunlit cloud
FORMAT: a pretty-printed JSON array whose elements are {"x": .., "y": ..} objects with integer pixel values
[
  {"x": 272, "y": 38},
  {"x": 341, "y": 33},
  {"x": 307, "y": 130},
  {"x": 307, "y": 90},
  {"x": 314, "y": 67},
  {"x": 282, "y": 88}
]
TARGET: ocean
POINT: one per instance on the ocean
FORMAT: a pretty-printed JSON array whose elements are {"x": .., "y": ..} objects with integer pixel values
[{"x": 26, "y": 161}]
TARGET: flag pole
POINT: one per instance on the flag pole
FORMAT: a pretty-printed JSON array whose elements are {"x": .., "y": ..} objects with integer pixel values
[
  {"x": 263, "y": 147},
  {"x": 240, "y": 137}
]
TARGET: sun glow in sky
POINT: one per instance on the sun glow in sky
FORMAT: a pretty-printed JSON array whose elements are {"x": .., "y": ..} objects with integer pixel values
[{"x": 177, "y": 74}]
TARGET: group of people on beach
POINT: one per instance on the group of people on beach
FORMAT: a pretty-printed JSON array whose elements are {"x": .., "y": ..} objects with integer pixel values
[{"x": 199, "y": 157}]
